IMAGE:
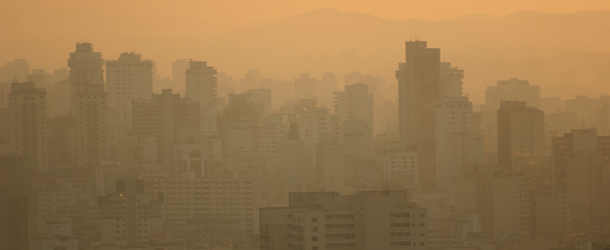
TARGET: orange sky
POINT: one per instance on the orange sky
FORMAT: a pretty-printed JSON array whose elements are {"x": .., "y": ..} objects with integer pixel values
[
  {"x": 242, "y": 11},
  {"x": 45, "y": 31}
]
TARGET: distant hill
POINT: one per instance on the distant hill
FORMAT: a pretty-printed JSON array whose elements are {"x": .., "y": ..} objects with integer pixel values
[{"x": 566, "y": 54}]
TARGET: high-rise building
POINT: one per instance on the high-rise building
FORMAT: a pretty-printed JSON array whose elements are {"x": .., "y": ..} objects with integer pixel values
[
  {"x": 357, "y": 139},
  {"x": 128, "y": 79},
  {"x": 201, "y": 87},
  {"x": 239, "y": 124},
  {"x": 456, "y": 142},
  {"x": 17, "y": 70},
  {"x": 511, "y": 205},
  {"x": 327, "y": 220},
  {"x": 520, "y": 133},
  {"x": 352, "y": 78},
  {"x": 59, "y": 99},
  {"x": 178, "y": 77},
  {"x": 507, "y": 90},
  {"x": 305, "y": 87},
  {"x": 355, "y": 103},
  {"x": 223, "y": 212},
  {"x": 328, "y": 86},
  {"x": 580, "y": 161},
  {"x": 92, "y": 135},
  {"x": 42, "y": 79},
  {"x": 501, "y": 198},
  {"x": 330, "y": 166},
  {"x": 400, "y": 166},
  {"x": 130, "y": 217},
  {"x": 86, "y": 67},
  {"x": 201, "y": 82},
  {"x": 451, "y": 79},
  {"x": 296, "y": 171},
  {"x": 157, "y": 124},
  {"x": 28, "y": 123},
  {"x": 512, "y": 90},
  {"x": 251, "y": 80},
  {"x": 419, "y": 90},
  {"x": 263, "y": 98}
]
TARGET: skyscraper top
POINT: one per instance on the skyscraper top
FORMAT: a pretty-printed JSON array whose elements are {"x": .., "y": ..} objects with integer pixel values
[
  {"x": 200, "y": 66},
  {"x": 514, "y": 81},
  {"x": 416, "y": 44},
  {"x": 84, "y": 48},
  {"x": 130, "y": 57}
]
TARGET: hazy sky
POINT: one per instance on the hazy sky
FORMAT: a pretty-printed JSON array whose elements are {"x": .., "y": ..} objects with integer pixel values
[
  {"x": 45, "y": 31},
  {"x": 45, "y": 11}
]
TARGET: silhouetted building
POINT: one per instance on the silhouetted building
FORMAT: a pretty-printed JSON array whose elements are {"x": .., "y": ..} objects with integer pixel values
[
  {"x": 128, "y": 79},
  {"x": 42, "y": 79},
  {"x": 239, "y": 124},
  {"x": 419, "y": 90},
  {"x": 355, "y": 103},
  {"x": 331, "y": 174},
  {"x": 17, "y": 70},
  {"x": 28, "y": 123},
  {"x": 328, "y": 86},
  {"x": 201, "y": 87},
  {"x": 305, "y": 87},
  {"x": 508, "y": 90},
  {"x": 179, "y": 67},
  {"x": 263, "y": 98},
  {"x": 92, "y": 133},
  {"x": 520, "y": 133},
  {"x": 157, "y": 124},
  {"x": 451, "y": 79},
  {"x": 295, "y": 164},
  {"x": 453, "y": 121},
  {"x": 86, "y": 67},
  {"x": 581, "y": 168},
  {"x": 357, "y": 140},
  {"x": 251, "y": 80}
]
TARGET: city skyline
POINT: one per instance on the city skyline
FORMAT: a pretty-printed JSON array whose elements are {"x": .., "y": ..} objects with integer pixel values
[{"x": 342, "y": 128}]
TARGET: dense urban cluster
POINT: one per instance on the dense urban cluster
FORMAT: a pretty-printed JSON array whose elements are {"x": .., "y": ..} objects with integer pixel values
[{"x": 107, "y": 155}]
